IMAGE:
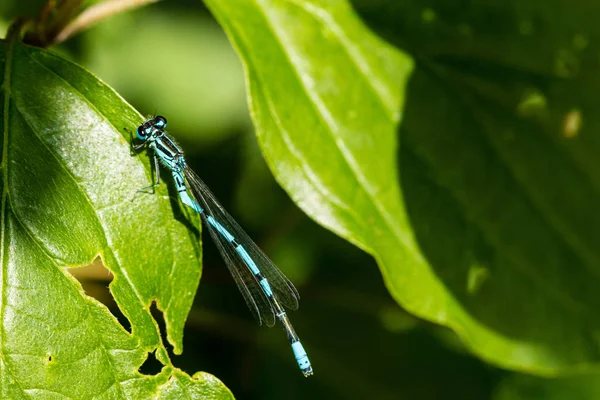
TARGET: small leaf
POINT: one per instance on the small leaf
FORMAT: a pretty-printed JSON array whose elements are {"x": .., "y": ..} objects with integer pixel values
[{"x": 69, "y": 188}]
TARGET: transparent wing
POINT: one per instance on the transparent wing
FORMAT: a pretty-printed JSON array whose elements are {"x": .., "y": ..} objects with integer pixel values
[
  {"x": 255, "y": 298},
  {"x": 249, "y": 286}
]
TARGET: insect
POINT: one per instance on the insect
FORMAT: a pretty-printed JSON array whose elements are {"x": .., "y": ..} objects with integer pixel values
[{"x": 264, "y": 287}]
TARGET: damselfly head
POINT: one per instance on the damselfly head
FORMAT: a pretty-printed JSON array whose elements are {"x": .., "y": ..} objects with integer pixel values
[
  {"x": 159, "y": 122},
  {"x": 152, "y": 127}
]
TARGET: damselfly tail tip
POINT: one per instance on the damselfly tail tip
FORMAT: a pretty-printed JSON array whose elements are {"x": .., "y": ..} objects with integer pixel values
[
  {"x": 307, "y": 372},
  {"x": 302, "y": 359}
]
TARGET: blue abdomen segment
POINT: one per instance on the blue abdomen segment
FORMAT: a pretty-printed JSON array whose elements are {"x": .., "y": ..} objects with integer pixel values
[
  {"x": 246, "y": 257},
  {"x": 224, "y": 232},
  {"x": 302, "y": 358},
  {"x": 183, "y": 193},
  {"x": 266, "y": 287},
  {"x": 187, "y": 200},
  {"x": 264, "y": 283}
]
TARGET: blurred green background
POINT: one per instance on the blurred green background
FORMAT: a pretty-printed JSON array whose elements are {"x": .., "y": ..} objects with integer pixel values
[{"x": 361, "y": 344}]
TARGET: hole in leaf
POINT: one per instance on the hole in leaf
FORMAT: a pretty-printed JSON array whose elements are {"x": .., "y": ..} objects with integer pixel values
[
  {"x": 49, "y": 358},
  {"x": 160, "y": 320},
  {"x": 94, "y": 279},
  {"x": 151, "y": 366}
]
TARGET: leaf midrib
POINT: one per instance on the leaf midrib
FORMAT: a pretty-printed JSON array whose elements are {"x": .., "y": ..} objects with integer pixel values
[{"x": 4, "y": 165}]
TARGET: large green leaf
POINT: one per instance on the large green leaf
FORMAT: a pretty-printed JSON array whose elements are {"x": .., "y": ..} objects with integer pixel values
[
  {"x": 69, "y": 188},
  {"x": 481, "y": 215}
]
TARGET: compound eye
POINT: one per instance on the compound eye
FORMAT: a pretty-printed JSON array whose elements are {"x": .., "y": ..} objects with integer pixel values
[
  {"x": 141, "y": 132},
  {"x": 160, "y": 122}
]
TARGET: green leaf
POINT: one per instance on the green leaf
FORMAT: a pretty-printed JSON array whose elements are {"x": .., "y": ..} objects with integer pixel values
[
  {"x": 69, "y": 196},
  {"x": 318, "y": 82},
  {"x": 479, "y": 209}
]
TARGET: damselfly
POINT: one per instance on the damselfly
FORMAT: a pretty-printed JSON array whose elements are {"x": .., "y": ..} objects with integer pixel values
[{"x": 265, "y": 288}]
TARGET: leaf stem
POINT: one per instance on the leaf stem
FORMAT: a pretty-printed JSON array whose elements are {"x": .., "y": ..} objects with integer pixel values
[
  {"x": 95, "y": 14},
  {"x": 16, "y": 28}
]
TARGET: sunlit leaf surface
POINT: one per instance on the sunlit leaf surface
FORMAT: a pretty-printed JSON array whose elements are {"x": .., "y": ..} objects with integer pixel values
[{"x": 69, "y": 188}]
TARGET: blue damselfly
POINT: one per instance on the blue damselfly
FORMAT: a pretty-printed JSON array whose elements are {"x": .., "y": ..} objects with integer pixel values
[{"x": 265, "y": 288}]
